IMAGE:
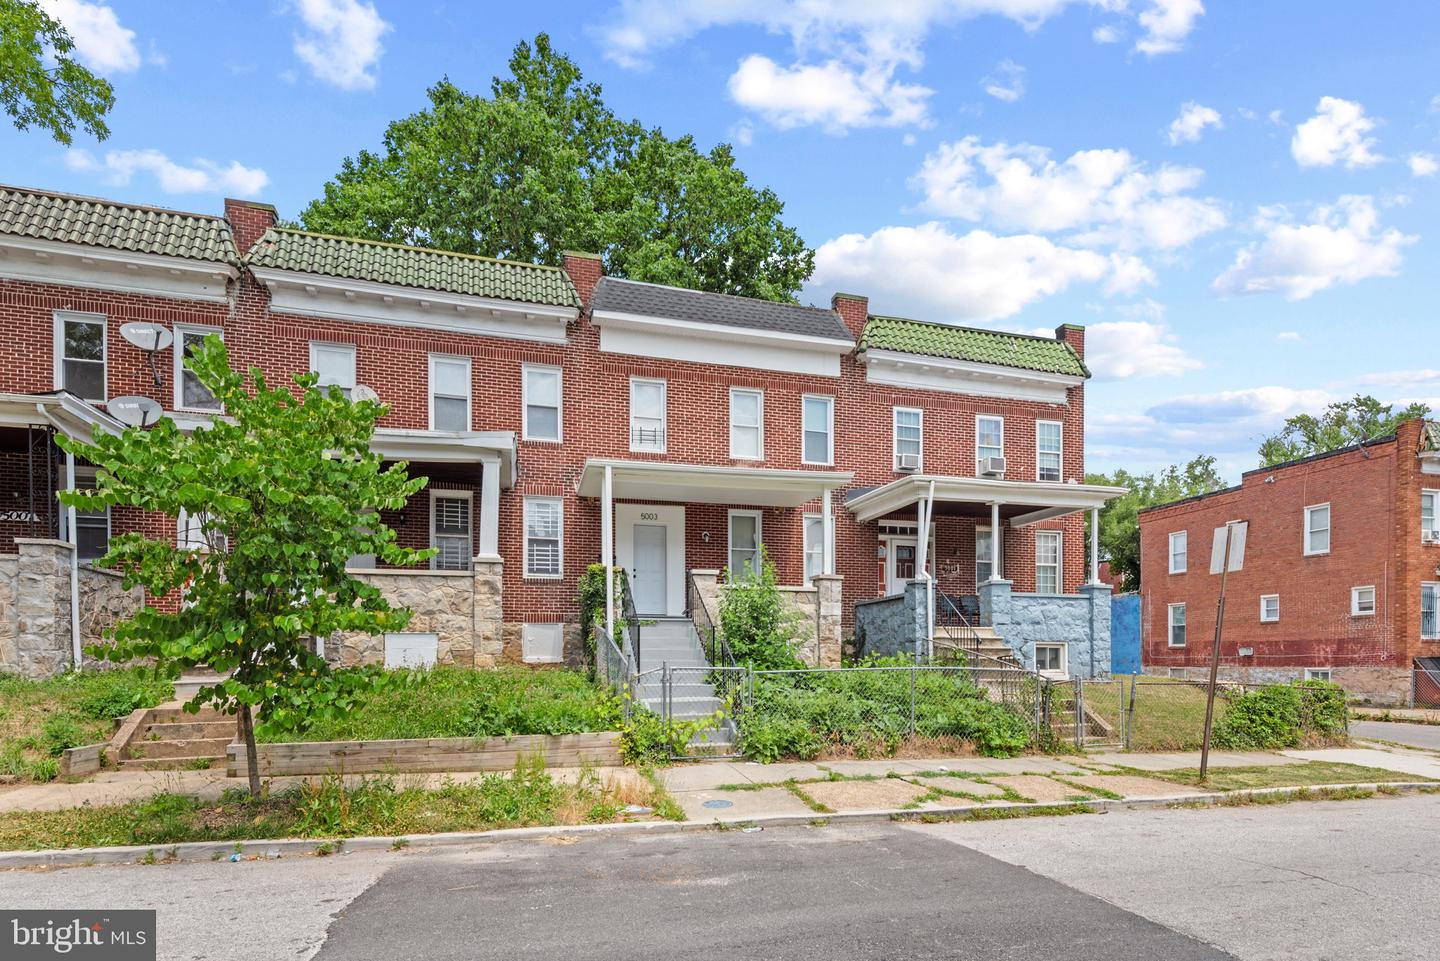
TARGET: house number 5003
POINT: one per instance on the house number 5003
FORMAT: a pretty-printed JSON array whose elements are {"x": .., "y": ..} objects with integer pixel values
[{"x": 645, "y": 516}]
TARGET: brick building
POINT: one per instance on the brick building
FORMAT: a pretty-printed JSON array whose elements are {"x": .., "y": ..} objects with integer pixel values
[
  {"x": 1341, "y": 576},
  {"x": 540, "y": 400}
]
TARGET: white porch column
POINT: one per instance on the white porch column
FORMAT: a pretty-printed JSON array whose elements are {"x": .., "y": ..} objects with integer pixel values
[
  {"x": 70, "y": 535},
  {"x": 1094, "y": 545},
  {"x": 926, "y": 510},
  {"x": 827, "y": 536},
  {"x": 607, "y": 550},
  {"x": 490, "y": 507},
  {"x": 997, "y": 569}
]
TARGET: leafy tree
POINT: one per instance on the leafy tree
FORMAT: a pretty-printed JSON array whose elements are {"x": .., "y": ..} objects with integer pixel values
[
  {"x": 41, "y": 83},
  {"x": 1120, "y": 518},
  {"x": 542, "y": 165},
  {"x": 283, "y": 490},
  {"x": 1346, "y": 422}
]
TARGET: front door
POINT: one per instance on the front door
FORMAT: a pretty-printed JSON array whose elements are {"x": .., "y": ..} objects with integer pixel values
[
  {"x": 900, "y": 564},
  {"x": 647, "y": 578}
]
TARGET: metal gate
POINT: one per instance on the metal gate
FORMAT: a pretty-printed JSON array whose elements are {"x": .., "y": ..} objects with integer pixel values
[{"x": 701, "y": 707}]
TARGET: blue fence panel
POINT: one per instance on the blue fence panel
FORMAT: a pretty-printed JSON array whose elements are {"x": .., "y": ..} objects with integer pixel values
[{"x": 1125, "y": 634}]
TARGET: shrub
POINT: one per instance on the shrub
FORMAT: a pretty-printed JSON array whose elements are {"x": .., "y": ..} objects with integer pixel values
[
  {"x": 590, "y": 596},
  {"x": 60, "y": 731},
  {"x": 111, "y": 694},
  {"x": 755, "y": 620},
  {"x": 1283, "y": 715}
]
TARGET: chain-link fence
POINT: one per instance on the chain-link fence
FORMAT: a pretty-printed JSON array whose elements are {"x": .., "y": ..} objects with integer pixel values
[{"x": 1134, "y": 713}]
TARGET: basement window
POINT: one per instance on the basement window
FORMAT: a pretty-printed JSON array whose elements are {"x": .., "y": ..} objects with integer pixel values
[
  {"x": 1050, "y": 659},
  {"x": 1317, "y": 674}
]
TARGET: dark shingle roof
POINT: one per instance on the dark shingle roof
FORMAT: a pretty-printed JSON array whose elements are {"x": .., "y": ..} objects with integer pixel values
[
  {"x": 441, "y": 270},
  {"x": 1043, "y": 354},
  {"x": 45, "y": 215},
  {"x": 696, "y": 306}
]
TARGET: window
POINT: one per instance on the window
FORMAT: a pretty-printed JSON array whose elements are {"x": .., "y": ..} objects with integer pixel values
[
  {"x": 450, "y": 530},
  {"x": 1179, "y": 552},
  {"x": 1047, "y": 562},
  {"x": 542, "y": 643},
  {"x": 814, "y": 546},
  {"x": 818, "y": 416},
  {"x": 191, "y": 533},
  {"x": 1050, "y": 658},
  {"x": 984, "y": 569},
  {"x": 335, "y": 363},
  {"x": 92, "y": 528},
  {"x": 908, "y": 437},
  {"x": 747, "y": 424},
  {"x": 1175, "y": 672},
  {"x": 1317, "y": 529},
  {"x": 647, "y": 414},
  {"x": 1047, "y": 450},
  {"x": 1177, "y": 625},
  {"x": 190, "y": 394},
  {"x": 1269, "y": 608},
  {"x": 542, "y": 388},
  {"x": 1430, "y": 611},
  {"x": 1430, "y": 515},
  {"x": 449, "y": 392},
  {"x": 80, "y": 354},
  {"x": 544, "y": 532},
  {"x": 1362, "y": 601},
  {"x": 1317, "y": 674},
  {"x": 744, "y": 545},
  {"x": 989, "y": 437},
  {"x": 411, "y": 649}
]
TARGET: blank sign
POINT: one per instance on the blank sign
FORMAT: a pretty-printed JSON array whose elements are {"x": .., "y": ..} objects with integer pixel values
[
  {"x": 411, "y": 650},
  {"x": 1237, "y": 547}
]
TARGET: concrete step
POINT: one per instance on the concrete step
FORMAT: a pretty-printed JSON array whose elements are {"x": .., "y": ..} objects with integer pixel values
[
  {"x": 203, "y": 747},
  {"x": 187, "y": 731},
  {"x": 160, "y": 715},
  {"x": 189, "y": 683}
]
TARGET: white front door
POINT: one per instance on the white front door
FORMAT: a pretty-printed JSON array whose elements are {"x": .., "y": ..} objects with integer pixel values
[
  {"x": 900, "y": 564},
  {"x": 648, "y": 572}
]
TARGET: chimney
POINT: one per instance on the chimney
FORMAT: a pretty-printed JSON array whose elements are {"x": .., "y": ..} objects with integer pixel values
[
  {"x": 854, "y": 310},
  {"x": 585, "y": 271},
  {"x": 1074, "y": 335},
  {"x": 248, "y": 220}
]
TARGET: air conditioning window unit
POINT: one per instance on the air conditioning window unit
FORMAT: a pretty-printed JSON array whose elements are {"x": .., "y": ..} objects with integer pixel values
[
  {"x": 992, "y": 467},
  {"x": 908, "y": 462},
  {"x": 1430, "y": 537}
]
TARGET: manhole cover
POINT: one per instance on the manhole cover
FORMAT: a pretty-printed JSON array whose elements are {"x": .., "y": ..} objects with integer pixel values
[{"x": 718, "y": 803}]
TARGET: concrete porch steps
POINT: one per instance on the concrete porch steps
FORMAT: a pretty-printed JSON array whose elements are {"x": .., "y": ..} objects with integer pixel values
[
  {"x": 673, "y": 642},
  {"x": 169, "y": 738}
]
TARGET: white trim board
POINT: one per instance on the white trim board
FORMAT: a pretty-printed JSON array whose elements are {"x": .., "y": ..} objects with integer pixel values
[
  {"x": 895, "y": 369},
  {"x": 702, "y": 343},
  {"x": 76, "y": 265}
]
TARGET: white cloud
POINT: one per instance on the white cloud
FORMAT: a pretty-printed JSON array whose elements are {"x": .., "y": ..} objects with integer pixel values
[
  {"x": 341, "y": 42},
  {"x": 928, "y": 271},
  {"x": 1007, "y": 83},
  {"x": 1167, "y": 23},
  {"x": 1336, "y": 134},
  {"x": 1192, "y": 121},
  {"x": 204, "y": 176},
  {"x": 101, "y": 42},
  {"x": 1107, "y": 34},
  {"x": 1116, "y": 350},
  {"x": 832, "y": 95},
  {"x": 1341, "y": 244},
  {"x": 1106, "y": 195},
  {"x": 1288, "y": 337},
  {"x": 1423, "y": 164}
]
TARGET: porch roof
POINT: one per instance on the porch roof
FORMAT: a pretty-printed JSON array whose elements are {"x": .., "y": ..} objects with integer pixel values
[
  {"x": 448, "y": 447},
  {"x": 60, "y": 409},
  {"x": 704, "y": 484},
  {"x": 1021, "y": 502}
]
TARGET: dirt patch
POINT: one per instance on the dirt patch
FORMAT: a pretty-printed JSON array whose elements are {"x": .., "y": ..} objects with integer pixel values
[
  {"x": 1039, "y": 788},
  {"x": 964, "y": 786},
  {"x": 1131, "y": 786},
  {"x": 864, "y": 795}
]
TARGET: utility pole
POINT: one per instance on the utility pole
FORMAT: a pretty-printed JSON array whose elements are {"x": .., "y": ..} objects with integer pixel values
[{"x": 1227, "y": 554}]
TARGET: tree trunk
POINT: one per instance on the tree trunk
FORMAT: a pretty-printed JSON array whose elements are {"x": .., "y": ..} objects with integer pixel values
[{"x": 247, "y": 731}]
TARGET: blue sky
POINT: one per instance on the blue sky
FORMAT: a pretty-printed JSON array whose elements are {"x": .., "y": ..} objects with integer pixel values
[{"x": 1236, "y": 198}]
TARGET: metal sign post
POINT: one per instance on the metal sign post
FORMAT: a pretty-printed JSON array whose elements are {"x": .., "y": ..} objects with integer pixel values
[{"x": 1227, "y": 554}]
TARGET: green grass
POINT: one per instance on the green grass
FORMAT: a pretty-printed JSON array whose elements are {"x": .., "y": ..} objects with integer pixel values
[
  {"x": 462, "y": 702},
  {"x": 40, "y": 719},
  {"x": 1169, "y": 714},
  {"x": 1279, "y": 775}
]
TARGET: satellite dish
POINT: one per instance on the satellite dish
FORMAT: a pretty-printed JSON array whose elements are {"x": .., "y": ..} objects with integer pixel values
[
  {"x": 362, "y": 393},
  {"x": 148, "y": 337},
  {"x": 135, "y": 411}
]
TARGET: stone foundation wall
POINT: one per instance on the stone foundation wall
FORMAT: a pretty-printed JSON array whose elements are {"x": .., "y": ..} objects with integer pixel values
[
  {"x": 1373, "y": 685},
  {"x": 39, "y": 608},
  {"x": 104, "y": 602},
  {"x": 817, "y": 613},
  {"x": 892, "y": 625},
  {"x": 1079, "y": 621}
]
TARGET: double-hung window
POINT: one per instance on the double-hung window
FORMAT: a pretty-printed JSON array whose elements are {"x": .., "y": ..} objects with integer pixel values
[
  {"x": 1317, "y": 529},
  {"x": 1269, "y": 608},
  {"x": 335, "y": 366},
  {"x": 818, "y": 427},
  {"x": 747, "y": 424},
  {"x": 647, "y": 414},
  {"x": 542, "y": 388},
  {"x": 1430, "y": 611},
  {"x": 1362, "y": 601},
  {"x": 909, "y": 432},
  {"x": 450, "y": 526},
  {"x": 1047, "y": 562},
  {"x": 190, "y": 394},
  {"x": 1177, "y": 625},
  {"x": 1430, "y": 516},
  {"x": 544, "y": 536},
  {"x": 984, "y": 555},
  {"x": 80, "y": 354},
  {"x": 1047, "y": 450},
  {"x": 989, "y": 438},
  {"x": 92, "y": 528},
  {"x": 744, "y": 545},
  {"x": 814, "y": 546},
  {"x": 1179, "y": 551},
  {"x": 449, "y": 392}
]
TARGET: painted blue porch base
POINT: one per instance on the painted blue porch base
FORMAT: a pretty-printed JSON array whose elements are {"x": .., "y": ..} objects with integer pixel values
[{"x": 1079, "y": 621}]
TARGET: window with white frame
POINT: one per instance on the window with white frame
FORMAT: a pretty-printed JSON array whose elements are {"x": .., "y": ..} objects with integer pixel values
[
  {"x": 1175, "y": 672},
  {"x": 814, "y": 546},
  {"x": 80, "y": 348},
  {"x": 1430, "y": 611},
  {"x": 1317, "y": 529},
  {"x": 1176, "y": 625},
  {"x": 1179, "y": 551},
  {"x": 1047, "y": 450},
  {"x": 1047, "y": 562},
  {"x": 450, "y": 530},
  {"x": 1317, "y": 674},
  {"x": 747, "y": 423},
  {"x": 1430, "y": 515},
  {"x": 989, "y": 437},
  {"x": 984, "y": 555},
  {"x": 1269, "y": 608},
  {"x": 647, "y": 414},
  {"x": 1050, "y": 658},
  {"x": 92, "y": 528},
  {"x": 542, "y": 389},
  {"x": 909, "y": 437},
  {"x": 449, "y": 392},
  {"x": 1362, "y": 601},
  {"x": 190, "y": 394},
  {"x": 818, "y": 427},
  {"x": 544, "y": 536},
  {"x": 744, "y": 545},
  {"x": 335, "y": 366},
  {"x": 195, "y": 532}
]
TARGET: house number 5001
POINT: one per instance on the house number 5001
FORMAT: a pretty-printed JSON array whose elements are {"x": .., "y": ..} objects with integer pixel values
[{"x": 646, "y": 516}]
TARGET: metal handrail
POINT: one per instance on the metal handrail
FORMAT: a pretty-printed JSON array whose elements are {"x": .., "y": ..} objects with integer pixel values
[
  {"x": 949, "y": 616},
  {"x": 717, "y": 649}
]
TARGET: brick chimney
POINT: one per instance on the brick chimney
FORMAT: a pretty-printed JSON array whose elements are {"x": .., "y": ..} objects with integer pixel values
[
  {"x": 585, "y": 271},
  {"x": 248, "y": 220},
  {"x": 1074, "y": 335},
  {"x": 854, "y": 310}
]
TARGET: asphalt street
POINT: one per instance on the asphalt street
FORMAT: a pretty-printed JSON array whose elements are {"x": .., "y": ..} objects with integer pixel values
[{"x": 1425, "y": 736}]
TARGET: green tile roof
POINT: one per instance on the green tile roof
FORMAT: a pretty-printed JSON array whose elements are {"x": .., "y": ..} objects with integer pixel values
[
  {"x": 1430, "y": 434},
  {"x": 43, "y": 215},
  {"x": 1043, "y": 354},
  {"x": 284, "y": 249}
]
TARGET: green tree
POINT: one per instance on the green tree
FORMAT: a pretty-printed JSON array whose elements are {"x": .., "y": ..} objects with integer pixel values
[
  {"x": 41, "y": 83},
  {"x": 283, "y": 490},
  {"x": 1346, "y": 422},
  {"x": 1120, "y": 518},
  {"x": 542, "y": 165}
]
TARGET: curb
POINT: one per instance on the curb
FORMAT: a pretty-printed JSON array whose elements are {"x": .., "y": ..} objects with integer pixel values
[{"x": 281, "y": 847}]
